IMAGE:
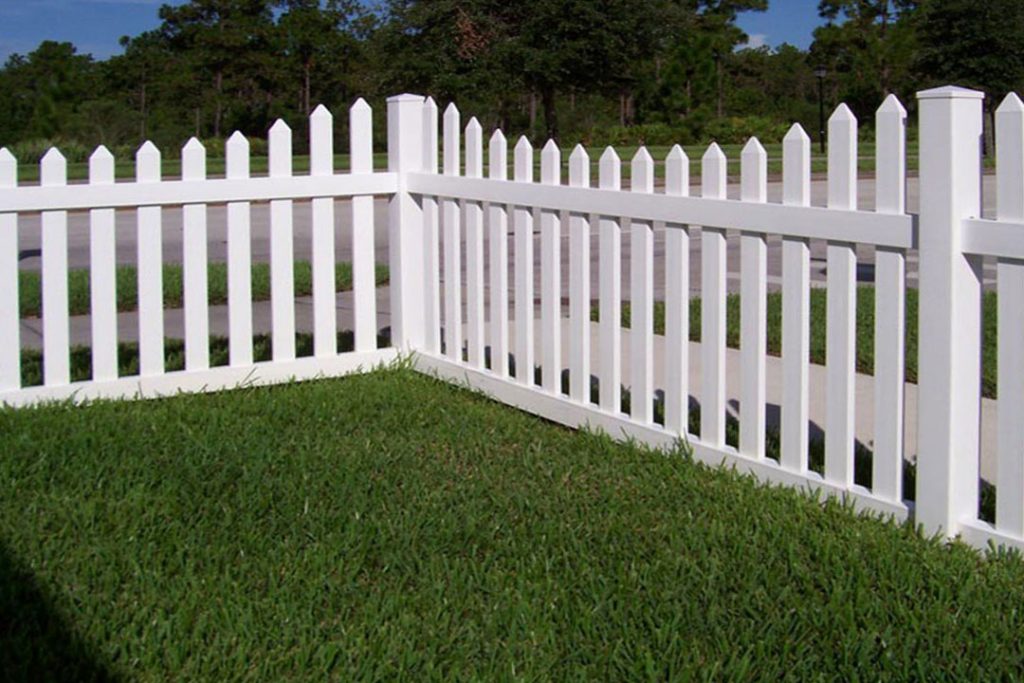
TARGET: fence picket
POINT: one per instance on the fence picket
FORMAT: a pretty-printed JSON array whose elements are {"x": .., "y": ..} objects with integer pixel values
[
  {"x": 796, "y": 305},
  {"x": 1010, "y": 279},
  {"x": 474, "y": 221},
  {"x": 550, "y": 276},
  {"x": 150, "y": 268},
  {"x": 452, "y": 240},
  {"x": 641, "y": 297},
  {"x": 842, "y": 304},
  {"x": 579, "y": 284},
  {"x": 56, "y": 332},
  {"x": 10, "y": 313},
  {"x": 431, "y": 238},
  {"x": 236, "y": 151},
  {"x": 890, "y": 285},
  {"x": 498, "y": 223},
  {"x": 610, "y": 294},
  {"x": 364, "y": 269},
  {"x": 754, "y": 307},
  {"x": 523, "y": 219},
  {"x": 102, "y": 274},
  {"x": 677, "y": 300},
  {"x": 713, "y": 292},
  {"x": 325, "y": 313},
  {"x": 282, "y": 257},
  {"x": 194, "y": 253}
]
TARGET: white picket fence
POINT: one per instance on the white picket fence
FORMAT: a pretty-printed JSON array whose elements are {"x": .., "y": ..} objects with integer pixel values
[{"x": 464, "y": 268}]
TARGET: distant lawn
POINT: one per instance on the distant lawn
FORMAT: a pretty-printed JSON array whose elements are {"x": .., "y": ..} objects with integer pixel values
[
  {"x": 79, "y": 301},
  {"x": 391, "y": 527},
  {"x": 865, "y": 329}
]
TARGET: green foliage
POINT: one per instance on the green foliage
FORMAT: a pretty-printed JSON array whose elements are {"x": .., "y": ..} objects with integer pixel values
[{"x": 391, "y": 527}]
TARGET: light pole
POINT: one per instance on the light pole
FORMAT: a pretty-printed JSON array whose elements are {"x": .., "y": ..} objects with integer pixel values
[{"x": 820, "y": 72}]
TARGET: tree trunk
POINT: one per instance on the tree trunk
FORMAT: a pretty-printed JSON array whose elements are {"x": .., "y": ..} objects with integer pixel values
[
  {"x": 218, "y": 109},
  {"x": 306, "y": 68},
  {"x": 533, "y": 110},
  {"x": 719, "y": 108},
  {"x": 142, "y": 111},
  {"x": 547, "y": 97},
  {"x": 622, "y": 110}
]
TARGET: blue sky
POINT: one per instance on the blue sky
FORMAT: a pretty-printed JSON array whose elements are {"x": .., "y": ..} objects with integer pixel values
[{"x": 95, "y": 25}]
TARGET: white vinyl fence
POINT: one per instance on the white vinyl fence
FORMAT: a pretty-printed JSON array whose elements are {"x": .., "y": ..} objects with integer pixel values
[{"x": 477, "y": 287}]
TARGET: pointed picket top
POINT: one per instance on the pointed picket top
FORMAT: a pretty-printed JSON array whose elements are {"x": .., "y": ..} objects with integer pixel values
[
  {"x": 677, "y": 172},
  {"x": 842, "y": 113},
  {"x": 579, "y": 167},
  {"x": 891, "y": 156},
  {"x": 892, "y": 104},
  {"x": 1010, "y": 159},
  {"x": 796, "y": 167},
  {"x": 610, "y": 170},
  {"x": 280, "y": 147},
  {"x": 147, "y": 163},
  {"x": 452, "y": 140},
  {"x": 236, "y": 151},
  {"x": 430, "y": 164},
  {"x": 101, "y": 166},
  {"x": 451, "y": 113},
  {"x": 193, "y": 160},
  {"x": 322, "y": 112},
  {"x": 321, "y": 141},
  {"x": 713, "y": 172},
  {"x": 474, "y": 149},
  {"x": 523, "y": 161},
  {"x": 842, "y": 159},
  {"x": 360, "y": 140},
  {"x": 53, "y": 168},
  {"x": 498, "y": 155},
  {"x": 8, "y": 168},
  {"x": 280, "y": 128},
  {"x": 642, "y": 171},
  {"x": 551, "y": 164},
  {"x": 754, "y": 172}
]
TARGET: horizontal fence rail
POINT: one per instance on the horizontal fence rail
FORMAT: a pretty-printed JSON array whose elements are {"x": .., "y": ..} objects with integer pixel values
[{"x": 570, "y": 294}]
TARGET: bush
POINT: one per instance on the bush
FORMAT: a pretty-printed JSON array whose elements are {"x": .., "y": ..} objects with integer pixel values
[{"x": 739, "y": 129}]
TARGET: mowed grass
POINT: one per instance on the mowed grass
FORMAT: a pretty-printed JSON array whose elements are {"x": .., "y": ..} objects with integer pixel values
[
  {"x": 391, "y": 527},
  {"x": 865, "y": 329},
  {"x": 79, "y": 297}
]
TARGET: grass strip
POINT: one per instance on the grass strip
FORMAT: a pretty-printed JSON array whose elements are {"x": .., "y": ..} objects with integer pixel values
[
  {"x": 79, "y": 302},
  {"x": 32, "y": 360},
  {"x": 391, "y": 527},
  {"x": 865, "y": 329}
]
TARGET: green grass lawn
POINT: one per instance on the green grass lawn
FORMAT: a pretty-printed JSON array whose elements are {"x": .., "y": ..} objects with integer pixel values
[
  {"x": 30, "y": 293},
  {"x": 390, "y": 527},
  {"x": 865, "y": 329}
]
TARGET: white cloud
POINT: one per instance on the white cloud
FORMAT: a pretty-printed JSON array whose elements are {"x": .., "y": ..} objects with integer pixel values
[{"x": 756, "y": 40}]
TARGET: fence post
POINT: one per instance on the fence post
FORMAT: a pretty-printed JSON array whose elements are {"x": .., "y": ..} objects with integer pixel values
[
  {"x": 949, "y": 357},
  {"x": 405, "y": 222}
]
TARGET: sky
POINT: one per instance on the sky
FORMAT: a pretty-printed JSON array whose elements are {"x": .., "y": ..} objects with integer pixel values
[{"x": 95, "y": 26}]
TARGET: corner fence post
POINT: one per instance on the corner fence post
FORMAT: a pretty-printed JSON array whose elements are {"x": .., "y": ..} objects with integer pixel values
[
  {"x": 405, "y": 222},
  {"x": 949, "y": 355}
]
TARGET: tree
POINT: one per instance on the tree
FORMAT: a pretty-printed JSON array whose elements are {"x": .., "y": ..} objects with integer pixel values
[
  {"x": 228, "y": 46},
  {"x": 318, "y": 41},
  {"x": 46, "y": 89},
  {"x": 867, "y": 46}
]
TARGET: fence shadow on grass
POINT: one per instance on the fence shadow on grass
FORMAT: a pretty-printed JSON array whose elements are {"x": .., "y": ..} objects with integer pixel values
[{"x": 36, "y": 641}]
